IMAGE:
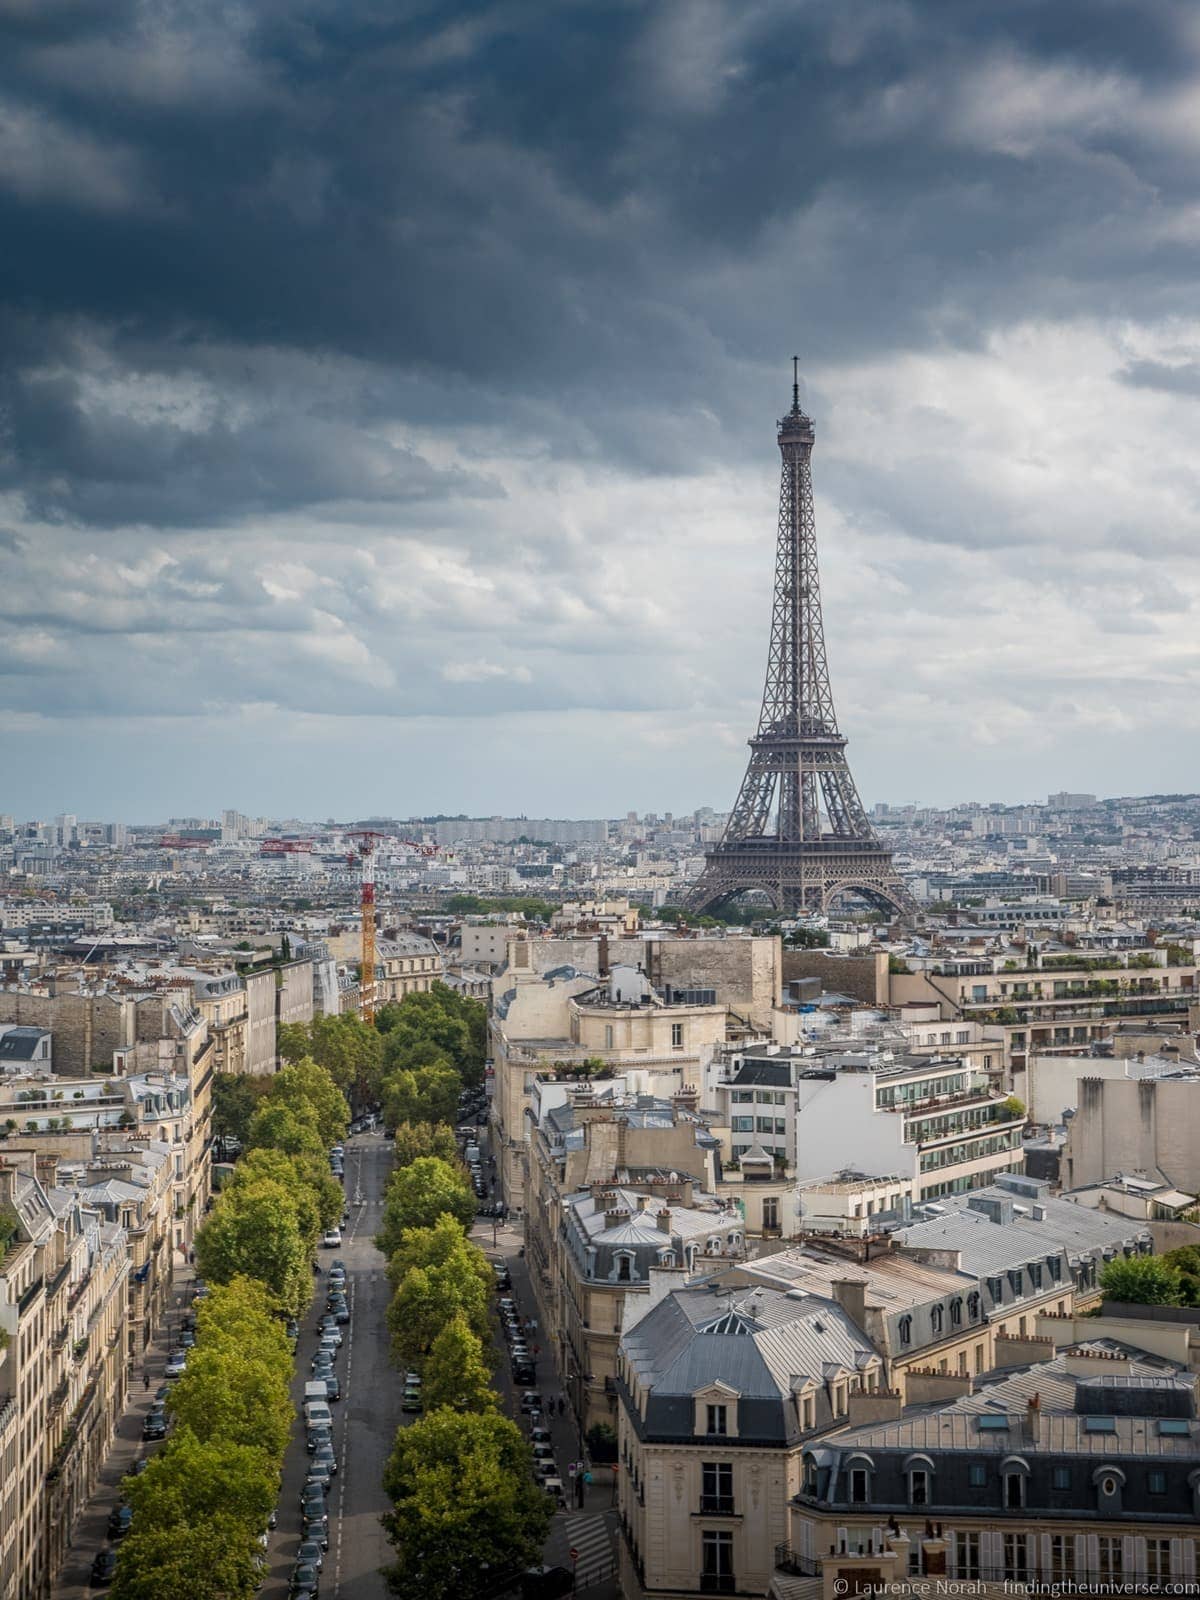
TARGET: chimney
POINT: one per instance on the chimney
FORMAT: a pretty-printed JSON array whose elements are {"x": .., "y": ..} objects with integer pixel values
[
  {"x": 851, "y": 1295},
  {"x": 664, "y": 1220},
  {"x": 643, "y": 1200},
  {"x": 687, "y": 1098},
  {"x": 602, "y": 956},
  {"x": 47, "y": 1170},
  {"x": 1033, "y": 1419},
  {"x": 8, "y": 1176}
]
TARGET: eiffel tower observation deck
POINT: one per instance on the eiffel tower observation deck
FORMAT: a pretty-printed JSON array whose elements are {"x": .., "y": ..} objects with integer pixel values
[{"x": 798, "y": 832}]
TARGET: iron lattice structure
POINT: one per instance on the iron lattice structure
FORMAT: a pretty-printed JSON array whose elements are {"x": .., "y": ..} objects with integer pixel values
[{"x": 775, "y": 840}]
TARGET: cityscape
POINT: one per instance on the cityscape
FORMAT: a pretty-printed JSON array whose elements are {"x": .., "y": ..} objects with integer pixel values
[{"x": 430, "y": 1167}]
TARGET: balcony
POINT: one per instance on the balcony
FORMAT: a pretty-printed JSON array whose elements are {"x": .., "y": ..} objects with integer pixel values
[
  {"x": 718, "y": 1583},
  {"x": 789, "y": 1559},
  {"x": 716, "y": 1505}
]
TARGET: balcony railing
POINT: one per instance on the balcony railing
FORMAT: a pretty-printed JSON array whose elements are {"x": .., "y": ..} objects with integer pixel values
[
  {"x": 717, "y": 1505},
  {"x": 718, "y": 1583},
  {"x": 789, "y": 1559}
]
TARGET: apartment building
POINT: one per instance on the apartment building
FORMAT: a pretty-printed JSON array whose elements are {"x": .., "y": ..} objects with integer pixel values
[
  {"x": 406, "y": 964},
  {"x": 1065, "y": 1004},
  {"x": 548, "y": 1024},
  {"x": 718, "y": 1392},
  {"x": 1077, "y": 1471},
  {"x": 1144, "y": 1125},
  {"x": 930, "y": 1119},
  {"x": 63, "y": 1296}
]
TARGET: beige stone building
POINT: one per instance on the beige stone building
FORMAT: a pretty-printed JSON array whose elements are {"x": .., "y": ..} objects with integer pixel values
[
  {"x": 406, "y": 964},
  {"x": 63, "y": 1300},
  {"x": 545, "y": 1023},
  {"x": 1147, "y": 1126}
]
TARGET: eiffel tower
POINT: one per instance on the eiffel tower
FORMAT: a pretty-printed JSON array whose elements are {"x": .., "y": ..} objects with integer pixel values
[{"x": 774, "y": 840}]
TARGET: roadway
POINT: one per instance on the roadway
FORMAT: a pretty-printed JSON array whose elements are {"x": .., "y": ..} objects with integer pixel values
[{"x": 364, "y": 1419}]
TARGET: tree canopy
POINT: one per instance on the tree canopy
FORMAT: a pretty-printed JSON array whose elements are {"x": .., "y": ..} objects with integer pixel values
[
  {"x": 255, "y": 1232},
  {"x": 417, "y": 1195},
  {"x": 456, "y": 1372},
  {"x": 1142, "y": 1280},
  {"x": 465, "y": 1507},
  {"x": 414, "y": 1139}
]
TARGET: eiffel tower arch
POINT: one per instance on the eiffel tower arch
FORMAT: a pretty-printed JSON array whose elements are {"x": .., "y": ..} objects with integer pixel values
[{"x": 776, "y": 840}]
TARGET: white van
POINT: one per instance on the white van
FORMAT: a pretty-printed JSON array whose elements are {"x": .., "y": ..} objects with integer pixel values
[
  {"x": 316, "y": 1411},
  {"x": 316, "y": 1392}
]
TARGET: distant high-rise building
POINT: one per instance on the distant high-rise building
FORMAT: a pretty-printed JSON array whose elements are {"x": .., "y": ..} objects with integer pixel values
[{"x": 1066, "y": 801}]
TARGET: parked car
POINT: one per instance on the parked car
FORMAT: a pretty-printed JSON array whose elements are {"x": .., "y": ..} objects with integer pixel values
[
  {"x": 304, "y": 1579},
  {"x": 323, "y": 1460},
  {"x": 412, "y": 1380},
  {"x": 329, "y": 1329},
  {"x": 543, "y": 1469},
  {"x": 543, "y": 1450},
  {"x": 316, "y": 1437},
  {"x": 531, "y": 1401},
  {"x": 187, "y": 1339},
  {"x": 309, "y": 1554},
  {"x": 412, "y": 1401},
  {"x": 155, "y": 1425},
  {"x": 313, "y": 1512},
  {"x": 316, "y": 1532},
  {"x": 332, "y": 1238},
  {"x": 333, "y": 1388},
  {"x": 176, "y": 1364},
  {"x": 104, "y": 1569},
  {"x": 539, "y": 1436},
  {"x": 120, "y": 1519}
]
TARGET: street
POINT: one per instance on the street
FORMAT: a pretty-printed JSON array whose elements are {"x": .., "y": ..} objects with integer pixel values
[
  {"x": 364, "y": 1419},
  {"x": 365, "y": 1422}
]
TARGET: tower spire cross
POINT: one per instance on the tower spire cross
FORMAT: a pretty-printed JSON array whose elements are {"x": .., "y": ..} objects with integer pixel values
[{"x": 798, "y": 778}]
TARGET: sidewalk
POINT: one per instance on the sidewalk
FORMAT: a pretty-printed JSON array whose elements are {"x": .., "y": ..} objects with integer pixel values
[{"x": 89, "y": 1534}]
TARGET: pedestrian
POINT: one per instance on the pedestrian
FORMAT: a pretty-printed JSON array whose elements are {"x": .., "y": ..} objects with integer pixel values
[
  {"x": 146, "y": 1377},
  {"x": 562, "y": 1405},
  {"x": 533, "y": 1324}
]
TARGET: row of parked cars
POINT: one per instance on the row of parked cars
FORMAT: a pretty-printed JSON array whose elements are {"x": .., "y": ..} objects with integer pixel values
[
  {"x": 520, "y": 1354},
  {"x": 320, "y": 1392}
]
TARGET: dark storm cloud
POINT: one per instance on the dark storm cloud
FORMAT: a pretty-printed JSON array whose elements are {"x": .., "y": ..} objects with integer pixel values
[
  {"x": 555, "y": 192},
  {"x": 375, "y": 347}
]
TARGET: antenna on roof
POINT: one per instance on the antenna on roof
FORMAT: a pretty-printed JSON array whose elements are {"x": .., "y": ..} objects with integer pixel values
[{"x": 795, "y": 383}]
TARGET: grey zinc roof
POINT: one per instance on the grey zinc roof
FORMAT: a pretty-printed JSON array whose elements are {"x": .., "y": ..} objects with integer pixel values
[
  {"x": 990, "y": 1247},
  {"x": 757, "y": 1342},
  {"x": 771, "y": 1073}
]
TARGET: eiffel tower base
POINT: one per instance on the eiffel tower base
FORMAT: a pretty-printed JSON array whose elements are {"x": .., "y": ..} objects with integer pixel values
[{"x": 800, "y": 880}]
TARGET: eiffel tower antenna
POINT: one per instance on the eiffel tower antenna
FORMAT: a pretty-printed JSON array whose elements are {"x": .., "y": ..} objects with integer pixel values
[{"x": 798, "y": 778}]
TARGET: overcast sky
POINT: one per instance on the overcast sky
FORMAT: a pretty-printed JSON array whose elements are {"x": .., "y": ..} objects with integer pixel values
[{"x": 388, "y": 394}]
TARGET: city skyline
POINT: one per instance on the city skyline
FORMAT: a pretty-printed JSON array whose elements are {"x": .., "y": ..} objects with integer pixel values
[{"x": 359, "y": 459}]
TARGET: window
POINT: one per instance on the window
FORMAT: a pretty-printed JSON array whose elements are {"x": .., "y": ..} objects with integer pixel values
[
  {"x": 716, "y": 1494},
  {"x": 1062, "y": 1555},
  {"x": 1156, "y": 1482},
  {"x": 905, "y": 1329},
  {"x": 1099, "y": 1425},
  {"x": 677, "y": 1036},
  {"x": 608, "y": 1036},
  {"x": 1016, "y": 1559},
  {"x": 717, "y": 1419},
  {"x": 1158, "y": 1559},
  {"x": 968, "y": 1555},
  {"x": 1060, "y": 1478},
  {"x": 743, "y": 1124},
  {"x": 1111, "y": 1558},
  {"x": 742, "y": 1097},
  {"x": 918, "y": 1487},
  {"x": 956, "y": 1312},
  {"x": 764, "y": 1124},
  {"x": 859, "y": 1485},
  {"x": 770, "y": 1212},
  {"x": 935, "y": 1318},
  {"x": 624, "y": 1269},
  {"x": 977, "y": 1475},
  {"x": 716, "y": 1569},
  {"x": 1014, "y": 1490}
]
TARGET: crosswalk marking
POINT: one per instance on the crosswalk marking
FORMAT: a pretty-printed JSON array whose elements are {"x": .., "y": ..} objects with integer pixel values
[{"x": 592, "y": 1536}]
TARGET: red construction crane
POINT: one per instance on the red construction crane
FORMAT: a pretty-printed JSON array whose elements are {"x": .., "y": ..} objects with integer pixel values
[{"x": 364, "y": 851}]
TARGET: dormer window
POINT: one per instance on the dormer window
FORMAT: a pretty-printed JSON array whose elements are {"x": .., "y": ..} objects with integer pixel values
[
  {"x": 935, "y": 1318},
  {"x": 718, "y": 1419},
  {"x": 905, "y": 1329}
]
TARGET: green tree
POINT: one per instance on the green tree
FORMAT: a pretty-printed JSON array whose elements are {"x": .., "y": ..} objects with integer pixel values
[
  {"x": 438, "y": 1246},
  {"x": 456, "y": 1373},
  {"x": 229, "y": 1397},
  {"x": 291, "y": 1172},
  {"x": 199, "y": 1480},
  {"x": 351, "y": 1051},
  {"x": 235, "y": 1098},
  {"x": 305, "y": 1084},
  {"x": 210, "y": 1559},
  {"x": 290, "y": 1128},
  {"x": 417, "y": 1195},
  {"x": 602, "y": 1442},
  {"x": 254, "y": 1232},
  {"x": 427, "y": 1297},
  {"x": 415, "y": 1139},
  {"x": 428, "y": 1094},
  {"x": 293, "y": 1041},
  {"x": 465, "y": 1507},
  {"x": 1142, "y": 1280},
  {"x": 243, "y": 1315}
]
